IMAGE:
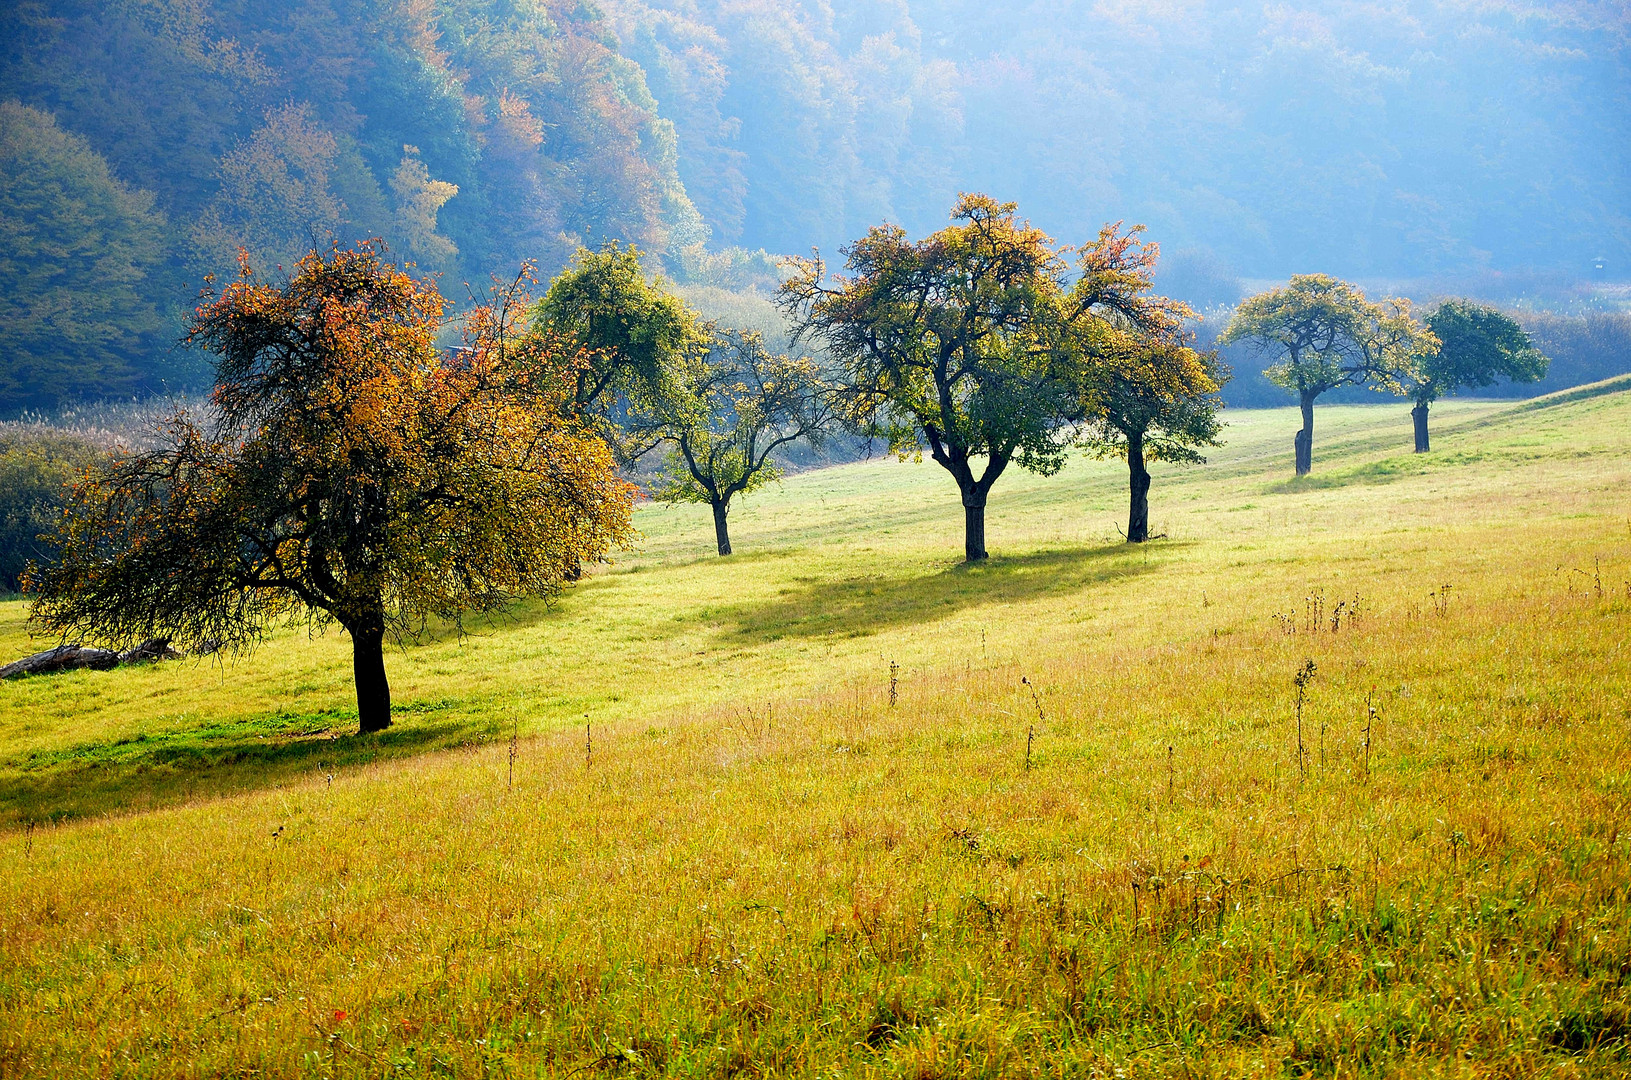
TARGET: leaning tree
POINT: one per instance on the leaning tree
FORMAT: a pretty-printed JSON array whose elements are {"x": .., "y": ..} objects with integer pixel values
[
  {"x": 350, "y": 473},
  {"x": 748, "y": 403},
  {"x": 1477, "y": 345},
  {"x": 1323, "y": 334},
  {"x": 947, "y": 342},
  {"x": 1145, "y": 393}
]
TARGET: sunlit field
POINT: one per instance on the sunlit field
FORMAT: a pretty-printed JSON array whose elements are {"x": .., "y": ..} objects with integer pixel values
[{"x": 840, "y": 804}]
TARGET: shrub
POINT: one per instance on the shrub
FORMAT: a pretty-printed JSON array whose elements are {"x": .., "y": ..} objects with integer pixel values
[{"x": 36, "y": 467}]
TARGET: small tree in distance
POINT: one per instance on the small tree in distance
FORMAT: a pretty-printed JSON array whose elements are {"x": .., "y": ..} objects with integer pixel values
[
  {"x": 750, "y": 404},
  {"x": 1323, "y": 334},
  {"x": 1477, "y": 345},
  {"x": 1144, "y": 393},
  {"x": 351, "y": 474}
]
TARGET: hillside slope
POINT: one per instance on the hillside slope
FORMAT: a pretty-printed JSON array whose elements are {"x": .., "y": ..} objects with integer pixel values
[{"x": 846, "y": 804}]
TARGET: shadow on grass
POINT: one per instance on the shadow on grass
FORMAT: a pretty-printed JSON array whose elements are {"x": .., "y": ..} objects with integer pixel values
[
  {"x": 148, "y": 772},
  {"x": 1373, "y": 473},
  {"x": 855, "y": 607}
]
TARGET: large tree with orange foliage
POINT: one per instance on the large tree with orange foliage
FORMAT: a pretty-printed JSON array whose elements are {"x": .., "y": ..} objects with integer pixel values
[{"x": 349, "y": 471}]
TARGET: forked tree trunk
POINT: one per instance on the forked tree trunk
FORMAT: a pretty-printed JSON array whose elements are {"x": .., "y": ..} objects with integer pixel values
[
  {"x": 1419, "y": 415},
  {"x": 974, "y": 490},
  {"x": 1305, "y": 437},
  {"x": 722, "y": 534},
  {"x": 1138, "y": 511},
  {"x": 368, "y": 666},
  {"x": 973, "y": 527}
]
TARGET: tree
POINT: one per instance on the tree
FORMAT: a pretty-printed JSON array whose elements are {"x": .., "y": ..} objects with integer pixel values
[
  {"x": 1145, "y": 394},
  {"x": 1325, "y": 334},
  {"x": 1477, "y": 345},
  {"x": 751, "y": 404},
  {"x": 37, "y": 468},
  {"x": 1150, "y": 398},
  {"x": 276, "y": 194},
  {"x": 948, "y": 342},
  {"x": 635, "y": 338},
  {"x": 350, "y": 473}
]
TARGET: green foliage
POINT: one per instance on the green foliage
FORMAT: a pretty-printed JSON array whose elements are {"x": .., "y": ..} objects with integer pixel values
[
  {"x": 1323, "y": 334},
  {"x": 633, "y": 336},
  {"x": 37, "y": 467},
  {"x": 944, "y": 342},
  {"x": 749, "y": 404},
  {"x": 79, "y": 255},
  {"x": 1477, "y": 345},
  {"x": 1159, "y": 396},
  {"x": 468, "y": 135}
]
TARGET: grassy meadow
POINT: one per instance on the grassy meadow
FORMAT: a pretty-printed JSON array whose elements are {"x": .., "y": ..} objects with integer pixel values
[{"x": 841, "y": 805}]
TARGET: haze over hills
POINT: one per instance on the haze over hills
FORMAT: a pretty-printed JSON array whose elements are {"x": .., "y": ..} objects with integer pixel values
[
  {"x": 1484, "y": 145},
  {"x": 1368, "y": 139}
]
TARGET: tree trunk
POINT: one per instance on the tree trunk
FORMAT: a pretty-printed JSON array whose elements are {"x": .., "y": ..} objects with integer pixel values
[
  {"x": 973, "y": 530},
  {"x": 368, "y": 666},
  {"x": 1419, "y": 415},
  {"x": 1305, "y": 438},
  {"x": 1138, "y": 512},
  {"x": 721, "y": 533}
]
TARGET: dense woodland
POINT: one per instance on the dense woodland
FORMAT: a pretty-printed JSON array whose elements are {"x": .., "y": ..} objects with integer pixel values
[{"x": 1469, "y": 147}]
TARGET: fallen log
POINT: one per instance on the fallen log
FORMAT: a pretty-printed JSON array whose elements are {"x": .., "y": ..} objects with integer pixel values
[
  {"x": 61, "y": 658},
  {"x": 74, "y": 655}
]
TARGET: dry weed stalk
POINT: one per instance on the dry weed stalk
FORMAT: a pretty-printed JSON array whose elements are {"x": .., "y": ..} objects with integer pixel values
[{"x": 1304, "y": 676}]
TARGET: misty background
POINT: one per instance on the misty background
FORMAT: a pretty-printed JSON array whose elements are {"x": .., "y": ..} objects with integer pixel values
[{"x": 1478, "y": 149}]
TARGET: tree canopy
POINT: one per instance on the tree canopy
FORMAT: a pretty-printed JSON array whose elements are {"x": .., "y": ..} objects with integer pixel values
[
  {"x": 635, "y": 340},
  {"x": 749, "y": 404},
  {"x": 1476, "y": 346},
  {"x": 350, "y": 472},
  {"x": 945, "y": 343},
  {"x": 80, "y": 256},
  {"x": 1150, "y": 397},
  {"x": 470, "y": 136},
  {"x": 1322, "y": 333}
]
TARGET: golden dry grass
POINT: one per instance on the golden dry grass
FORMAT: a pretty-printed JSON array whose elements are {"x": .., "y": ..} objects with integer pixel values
[{"x": 766, "y": 868}]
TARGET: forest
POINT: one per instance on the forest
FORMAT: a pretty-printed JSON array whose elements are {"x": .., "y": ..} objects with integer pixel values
[{"x": 1443, "y": 148}]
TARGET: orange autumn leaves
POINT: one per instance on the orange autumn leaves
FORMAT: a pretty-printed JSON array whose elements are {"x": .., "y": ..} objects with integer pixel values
[{"x": 351, "y": 470}]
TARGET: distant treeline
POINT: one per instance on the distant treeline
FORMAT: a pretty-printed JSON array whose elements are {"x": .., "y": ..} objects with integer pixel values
[{"x": 149, "y": 142}]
